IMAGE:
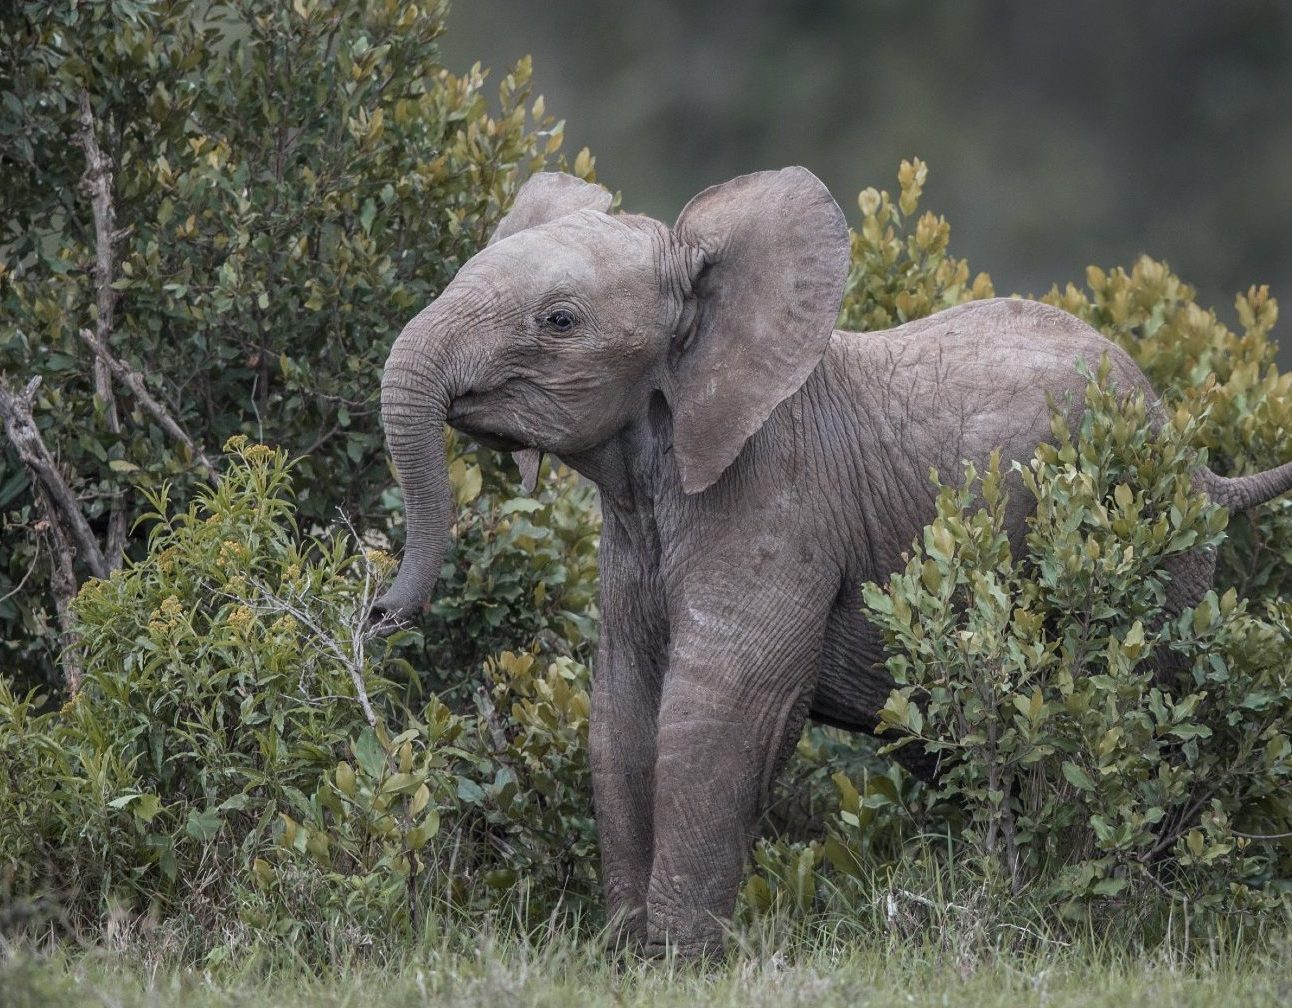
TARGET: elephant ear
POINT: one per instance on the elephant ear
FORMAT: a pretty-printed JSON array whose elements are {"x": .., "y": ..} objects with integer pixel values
[
  {"x": 545, "y": 197},
  {"x": 771, "y": 255}
]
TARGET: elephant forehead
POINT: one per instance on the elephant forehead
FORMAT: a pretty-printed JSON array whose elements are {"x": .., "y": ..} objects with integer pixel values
[{"x": 587, "y": 252}]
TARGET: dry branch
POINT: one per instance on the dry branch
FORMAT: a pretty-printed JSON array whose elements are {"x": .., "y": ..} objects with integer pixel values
[
  {"x": 62, "y": 582},
  {"x": 135, "y": 383},
  {"x": 61, "y": 519},
  {"x": 20, "y": 426},
  {"x": 351, "y": 658},
  {"x": 97, "y": 183}
]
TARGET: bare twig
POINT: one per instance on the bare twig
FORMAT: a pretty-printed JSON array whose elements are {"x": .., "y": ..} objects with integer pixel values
[
  {"x": 35, "y": 560},
  {"x": 260, "y": 426},
  {"x": 360, "y": 624},
  {"x": 1035, "y": 934},
  {"x": 97, "y": 183},
  {"x": 322, "y": 439},
  {"x": 21, "y": 429},
  {"x": 1262, "y": 836},
  {"x": 272, "y": 602},
  {"x": 135, "y": 383}
]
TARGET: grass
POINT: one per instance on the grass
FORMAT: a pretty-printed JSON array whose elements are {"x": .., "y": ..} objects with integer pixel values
[
  {"x": 819, "y": 964},
  {"x": 925, "y": 932}
]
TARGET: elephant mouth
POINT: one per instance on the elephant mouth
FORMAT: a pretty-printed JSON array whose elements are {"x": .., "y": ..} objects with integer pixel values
[{"x": 467, "y": 413}]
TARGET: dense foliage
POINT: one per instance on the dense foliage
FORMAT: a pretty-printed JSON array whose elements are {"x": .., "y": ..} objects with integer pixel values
[
  {"x": 1082, "y": 768},
  {"x": 290, "y": 183},
  {"x": 218, "y": 766}
]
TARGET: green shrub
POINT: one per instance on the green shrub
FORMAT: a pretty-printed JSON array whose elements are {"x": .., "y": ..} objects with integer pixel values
[
  {"x": 899, "y": 274},
  {"x": 218, "y": 765},
  {"x": 1080, "y": 770},
  {"x": 291, "y": 183},
  {"x": 1244, "y": 412},
  {"x": 520, "y": 569}
]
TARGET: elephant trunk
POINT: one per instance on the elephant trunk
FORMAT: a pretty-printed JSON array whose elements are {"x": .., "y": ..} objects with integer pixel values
[{"x": 417, "y": 387}]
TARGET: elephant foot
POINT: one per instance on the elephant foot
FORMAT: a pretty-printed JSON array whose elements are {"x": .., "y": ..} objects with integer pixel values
[
  {"x": 687, "y": 940},
  {"x": 626, "y": 930},
  {"x": 692, "y": 955}
]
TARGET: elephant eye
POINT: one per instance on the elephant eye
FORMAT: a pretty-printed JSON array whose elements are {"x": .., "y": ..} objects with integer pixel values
[{"x": 562, "y": 320}]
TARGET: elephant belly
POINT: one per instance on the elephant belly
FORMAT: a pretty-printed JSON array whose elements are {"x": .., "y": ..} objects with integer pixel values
[{"x": 852, "y": 684}]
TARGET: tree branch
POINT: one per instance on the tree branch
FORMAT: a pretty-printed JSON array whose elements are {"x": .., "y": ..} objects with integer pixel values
[
  {"x": 97, "y": 183},
  {"x": 135, "y": 383},
  {"x": 62, "y": 582},
  {"x": 20, "y": 426}
]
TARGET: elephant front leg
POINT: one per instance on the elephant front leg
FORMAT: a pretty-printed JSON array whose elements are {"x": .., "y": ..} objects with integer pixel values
[
  {"x": 733, "y": 704},
  {"x": 621, "y": 736},
  {"x": 622, "y": 752}
]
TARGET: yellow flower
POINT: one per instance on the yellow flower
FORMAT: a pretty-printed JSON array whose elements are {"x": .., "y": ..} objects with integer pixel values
[
  {"x": 260, "y": 453},
  {"x": 235, "y": 443},
  {"x": 380, "y": 559},
  {"x": 241, "y": 619},
  {"x": 165, "y": 616},
  {"x": 230, "y": 553}
]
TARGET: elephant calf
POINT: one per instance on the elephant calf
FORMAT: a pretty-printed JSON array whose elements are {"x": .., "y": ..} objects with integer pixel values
[{"x": 755, "y": 467}]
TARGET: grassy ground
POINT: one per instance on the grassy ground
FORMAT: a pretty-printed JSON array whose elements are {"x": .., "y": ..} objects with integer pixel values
[{"x": 823, "y": 972}]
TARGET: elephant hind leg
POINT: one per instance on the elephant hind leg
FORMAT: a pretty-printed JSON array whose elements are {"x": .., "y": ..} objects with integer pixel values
[{"x": 1192, "y": 575}]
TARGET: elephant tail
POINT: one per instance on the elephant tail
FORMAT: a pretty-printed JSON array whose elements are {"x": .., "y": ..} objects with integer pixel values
[{"x": 1242, "y": 492}]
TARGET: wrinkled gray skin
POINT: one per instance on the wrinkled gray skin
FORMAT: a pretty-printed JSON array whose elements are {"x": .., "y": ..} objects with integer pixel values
[{"x": 755, "y": 467}]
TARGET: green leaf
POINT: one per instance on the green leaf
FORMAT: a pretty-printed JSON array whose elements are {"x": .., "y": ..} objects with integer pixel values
[
  {"x": 1077, "y": 777},
  {"x": 1109, "y": 886},
  {"x": 524, "y": 505},
  {"x": 317, "y": 846},
  {"x": 369, "y": 754},
  {"x": 470, "y": 792},
  {"x": 144, "y": 807},
  {"x": 758, "y": 894},
  {"x": 204, "y": 825},
  {"x": 402, "y": 783}
]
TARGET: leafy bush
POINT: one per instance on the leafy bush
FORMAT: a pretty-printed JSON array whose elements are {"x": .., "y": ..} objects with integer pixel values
[
  {"x": 899, "y": 274},
  {"x": 290, "y": 183},
  {"x": 520, "y": 569},
  {"x": 1227, "y": 379},
  {"x": 1082, "y": 768},
  {"x": 1073, "y": 773},
  {"x": 219, "y": 766}
]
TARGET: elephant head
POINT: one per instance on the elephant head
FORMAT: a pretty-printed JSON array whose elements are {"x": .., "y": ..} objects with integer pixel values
[{"x": 556, "y": 335}]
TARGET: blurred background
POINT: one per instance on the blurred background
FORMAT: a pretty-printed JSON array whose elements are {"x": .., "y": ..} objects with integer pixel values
[{"x": 1057, "y": 134}]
